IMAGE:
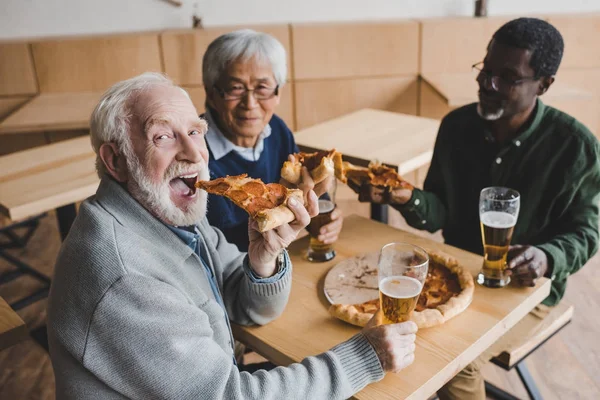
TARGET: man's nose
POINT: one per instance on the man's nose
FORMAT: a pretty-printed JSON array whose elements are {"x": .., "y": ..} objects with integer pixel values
[
  {"x": 192, "y": 150},
  {"x": 249, "y": 100}
]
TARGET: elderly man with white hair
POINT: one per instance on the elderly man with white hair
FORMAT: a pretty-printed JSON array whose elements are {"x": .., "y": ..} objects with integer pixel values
[
  {"x": 144, "y": 287},
  {"x": 244, "y": 73}
]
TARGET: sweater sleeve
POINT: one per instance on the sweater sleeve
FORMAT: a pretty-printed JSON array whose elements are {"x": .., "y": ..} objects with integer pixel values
[
  {"x": 426, "y": 208},
  {"x": 146, "y": 340},
  {"x": 247, "y": 302}
]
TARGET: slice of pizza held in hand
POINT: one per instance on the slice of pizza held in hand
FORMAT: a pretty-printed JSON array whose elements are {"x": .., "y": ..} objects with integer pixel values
[
  {"x": 320, "y": 165},
  {"x": 375, "y": 174},
  {"x": 265, "y": 203}
]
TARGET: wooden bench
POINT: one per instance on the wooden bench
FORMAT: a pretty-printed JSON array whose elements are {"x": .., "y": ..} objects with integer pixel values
[{"x": 535, "y": 331}]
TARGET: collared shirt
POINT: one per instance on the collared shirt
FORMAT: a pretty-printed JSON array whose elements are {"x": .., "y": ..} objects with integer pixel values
[
  {"x": 554, "y": 163},
  {"x": 220, "y": 145}
]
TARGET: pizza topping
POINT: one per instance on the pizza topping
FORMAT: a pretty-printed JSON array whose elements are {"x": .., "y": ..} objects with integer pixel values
[
  {"x": 254, "y": 188},
  {"x": 216, "y": 186},
  {"x": 237, "y": 196}
]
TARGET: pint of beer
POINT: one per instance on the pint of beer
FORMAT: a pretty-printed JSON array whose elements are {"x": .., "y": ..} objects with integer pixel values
[
  {"x": 402, "y": 270},
  {"x": 498, "y": 213},
  {"x": 317, "y": 250}
]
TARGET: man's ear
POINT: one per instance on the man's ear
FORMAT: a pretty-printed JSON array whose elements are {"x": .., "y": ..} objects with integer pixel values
[
  {"x": 114, "y": 161},
  {"x": 545, "y": 84}
]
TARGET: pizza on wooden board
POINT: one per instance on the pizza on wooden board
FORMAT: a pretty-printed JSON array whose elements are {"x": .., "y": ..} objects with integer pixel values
[
  {"x": 264, "y": 202},
  {"x": 447, "y": 291}
]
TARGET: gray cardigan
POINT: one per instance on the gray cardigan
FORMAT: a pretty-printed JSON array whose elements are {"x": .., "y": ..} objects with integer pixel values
[{"x": 131, "y": 315}]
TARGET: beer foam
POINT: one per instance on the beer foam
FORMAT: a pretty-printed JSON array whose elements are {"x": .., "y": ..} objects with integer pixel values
[
  {"x": 325, "y": 206},
  {"x": 498, "y": 219},
  {"x": 400, "y": 287}
]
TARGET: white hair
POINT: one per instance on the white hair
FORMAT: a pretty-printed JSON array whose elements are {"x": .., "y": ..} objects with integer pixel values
[
  {"x": 243, "y": 45},
  {"x": 110, "y": 120}
]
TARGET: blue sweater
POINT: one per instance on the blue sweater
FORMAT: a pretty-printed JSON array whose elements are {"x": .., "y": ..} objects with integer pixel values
[{"x": 225, "y": 215}]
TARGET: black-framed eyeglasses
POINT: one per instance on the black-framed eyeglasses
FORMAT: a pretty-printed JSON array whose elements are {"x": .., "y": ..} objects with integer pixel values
[
  {"x": 499, "y": 83},
  {"x": 237, "y": 92}
]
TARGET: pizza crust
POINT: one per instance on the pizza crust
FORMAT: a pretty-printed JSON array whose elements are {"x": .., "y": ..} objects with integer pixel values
[
  {"x": 353, "y": 313},
  {"x": 274, "y": 217},
  {"x": 292, "y": 170}
]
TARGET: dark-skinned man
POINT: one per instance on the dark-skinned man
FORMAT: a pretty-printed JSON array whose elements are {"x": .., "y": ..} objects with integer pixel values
[{"x": 510, "y": 138}]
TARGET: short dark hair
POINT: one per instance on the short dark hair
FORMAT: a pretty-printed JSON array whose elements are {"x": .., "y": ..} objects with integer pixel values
[{"x": 543, "y": 39}]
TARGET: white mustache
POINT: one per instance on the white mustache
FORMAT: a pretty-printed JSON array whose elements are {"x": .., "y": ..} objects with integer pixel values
[{"x": 181, "y": 168}]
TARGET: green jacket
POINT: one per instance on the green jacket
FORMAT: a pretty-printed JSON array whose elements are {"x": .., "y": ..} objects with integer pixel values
[{"x": 554, "y": 163}]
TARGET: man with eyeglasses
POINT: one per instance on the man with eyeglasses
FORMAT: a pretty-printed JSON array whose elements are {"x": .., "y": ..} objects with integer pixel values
[
  {"x": 511, "y": 138},
  {"x": 243, "y": 74}
]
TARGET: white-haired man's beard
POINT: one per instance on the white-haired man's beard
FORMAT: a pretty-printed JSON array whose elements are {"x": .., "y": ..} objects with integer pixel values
[
  {"x": 489, "y": 115},
  {"x": 156, "y": 196}
]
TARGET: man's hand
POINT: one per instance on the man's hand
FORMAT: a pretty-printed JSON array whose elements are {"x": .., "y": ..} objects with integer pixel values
[
  {"x": 394, "y": 343},
  {"x": 264, "y": 247},
  {"x": 526, "y": 264},
  {"x": 329, "y": 233},
  {"x": 368, "y": 193}
]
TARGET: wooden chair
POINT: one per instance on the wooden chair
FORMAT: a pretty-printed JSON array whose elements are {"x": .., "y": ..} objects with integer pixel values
[{"x": 536, "y": 332}]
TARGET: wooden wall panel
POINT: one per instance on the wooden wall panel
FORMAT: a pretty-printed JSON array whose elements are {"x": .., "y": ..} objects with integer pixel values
[
  {"x": 183, "y": 49},
  {"x": 17, "y": 76},
  {"x": 355, "y": 49},
  {"x": 94, "y": 64},
  {"x": 285, "y": 110},
  {"x": 453, "y": 45},
  {"x": 580, "y": 34},
  {"x": 431, "y": 103},
  {"x": 17, "y": 142},
  {"x": 10, "y": 104},
  {"x": 318, "y": 101}
]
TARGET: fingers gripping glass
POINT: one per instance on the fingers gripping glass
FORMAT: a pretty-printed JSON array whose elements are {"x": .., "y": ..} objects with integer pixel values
[
  {"x": 238, "y": 92},
  {"x": 498, "y": 83}
]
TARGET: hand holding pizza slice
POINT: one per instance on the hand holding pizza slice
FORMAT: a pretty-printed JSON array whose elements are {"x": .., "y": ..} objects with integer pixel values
[{"x": 265, "y": 203}]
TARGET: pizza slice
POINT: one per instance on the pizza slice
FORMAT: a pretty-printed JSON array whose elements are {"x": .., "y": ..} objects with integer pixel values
[
  {"x": 375, "y": 174},
  {"x": 265, "y": 203},
  {"x": 320, "y": 164}
]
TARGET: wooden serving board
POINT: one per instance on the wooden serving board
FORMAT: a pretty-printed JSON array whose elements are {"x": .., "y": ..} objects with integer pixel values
[{"x": 353, "y": 280}]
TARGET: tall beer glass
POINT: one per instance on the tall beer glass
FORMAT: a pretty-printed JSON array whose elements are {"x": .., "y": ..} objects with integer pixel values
[
  {"x": 498, "y": 213},
  {"x": 402, "y": 270},
  {"x": 317, "y": 250}
]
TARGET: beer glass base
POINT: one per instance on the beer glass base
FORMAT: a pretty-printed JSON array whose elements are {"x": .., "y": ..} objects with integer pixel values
[
  {"x": 320, "y": 257},
  {"x": 492, "y": 282}
]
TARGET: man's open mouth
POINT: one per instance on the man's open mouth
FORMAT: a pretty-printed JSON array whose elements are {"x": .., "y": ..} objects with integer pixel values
[{"x": 184, "y": 185}]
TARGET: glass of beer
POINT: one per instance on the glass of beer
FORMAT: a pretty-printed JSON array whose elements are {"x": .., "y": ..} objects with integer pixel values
[
  {"x": 498, "y": 213},
  {"x": 402, "y": 271},
  {"x": 317, "y": 250}
]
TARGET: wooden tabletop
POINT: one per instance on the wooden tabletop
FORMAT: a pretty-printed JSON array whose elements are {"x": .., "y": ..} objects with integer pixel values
[
  {"x": 12, "y": 327},
  {"x": 44, "y": 178},
  {"x": 400, "y": 140},
  {"x": 461, "y": 89},
  {"x": 52, "y": 112},
  {"x": 306, "y": 328}
]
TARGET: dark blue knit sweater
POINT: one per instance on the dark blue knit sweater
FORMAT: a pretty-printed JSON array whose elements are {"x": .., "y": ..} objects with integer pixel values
[{"x": 222, "y": 213}]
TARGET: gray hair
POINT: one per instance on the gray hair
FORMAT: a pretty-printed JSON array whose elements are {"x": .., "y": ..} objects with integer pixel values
[
  {"x": 110, "y": 120},
  {"x": 243, "y": 45}
]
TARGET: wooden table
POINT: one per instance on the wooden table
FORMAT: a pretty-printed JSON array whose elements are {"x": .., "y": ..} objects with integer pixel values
[
  {"x": 12, "y": 327},
  {"x": 398, "y": 140},
  {"x": 52, "y": 112},
  {"x": 49, "y": 177},
  {"x": 306, "y": 328}
]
